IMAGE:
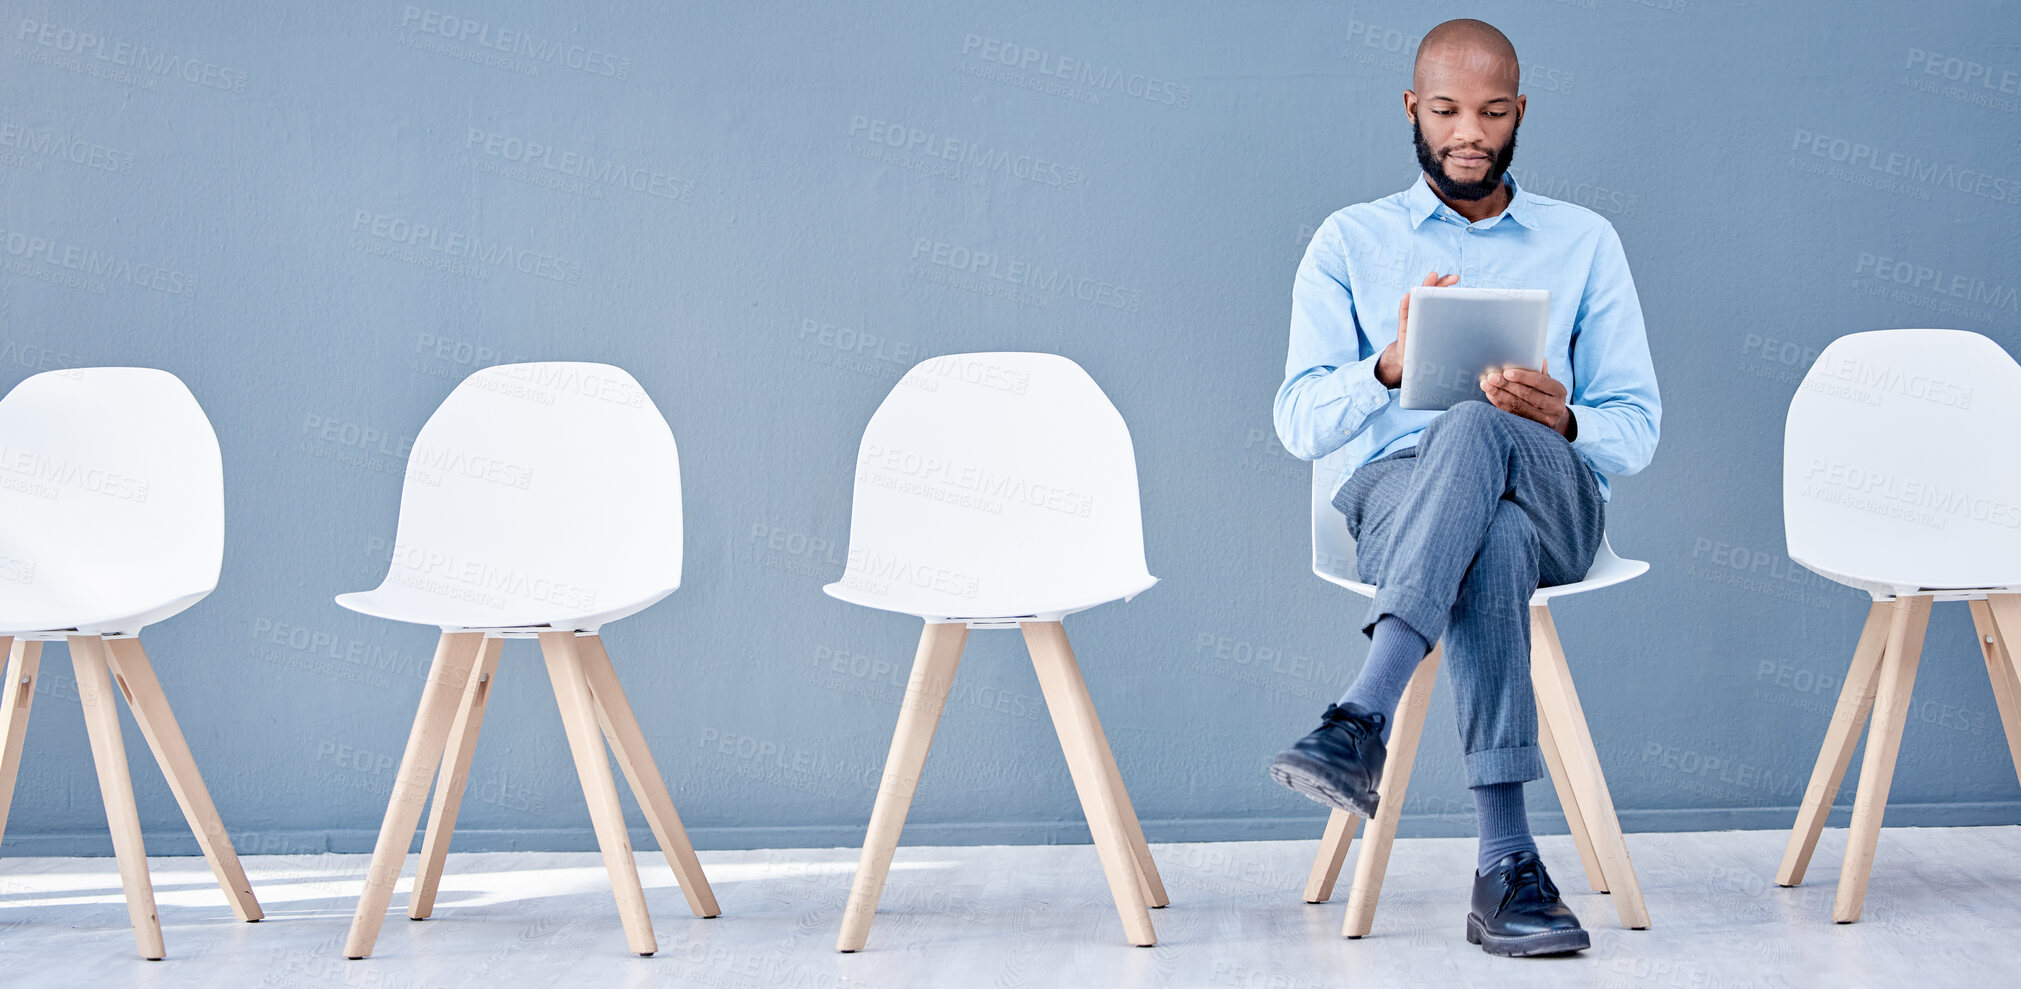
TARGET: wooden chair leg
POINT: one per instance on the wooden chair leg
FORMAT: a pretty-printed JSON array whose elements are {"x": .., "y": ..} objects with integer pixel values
[
  {"x": 1333, "y": 846},
  {"x": 1381, "y": 830},
  {"x": 2000, "y": 669},
  {"x": 108, "y": 751},
  {"x": 24, "y": 663},
  {"x": 135, "y": 677},
  {"x": 1073, "y": 714},
  {"x": 455, "y": 656},
  {"x": 599, "y": 789},
  {"x": 1147, "y": 869},
  {"x": 1552, "y": 679},
  {"x": 451, "y": 779},
  {"x": 1856, "y": 699},
  {"x": 926, "y": 690},
  {"x": 1568, "y": 800},
  {"x": 628, "y": 743},
  {"x": 2004, "y": 610},
  {"x": 1884, "y": 740}
]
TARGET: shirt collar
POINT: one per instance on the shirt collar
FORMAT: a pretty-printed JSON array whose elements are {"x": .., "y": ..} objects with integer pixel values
[{"x": 1423, "y": 202}]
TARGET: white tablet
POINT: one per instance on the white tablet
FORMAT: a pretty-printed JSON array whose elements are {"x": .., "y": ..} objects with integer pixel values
[{"x": 1457, "y": 334}]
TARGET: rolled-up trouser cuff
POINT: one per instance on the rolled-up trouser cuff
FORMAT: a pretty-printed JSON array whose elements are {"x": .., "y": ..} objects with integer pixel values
[
  {"x": 1516, "y": 764},
  {"x": 1426, "y": 618}
]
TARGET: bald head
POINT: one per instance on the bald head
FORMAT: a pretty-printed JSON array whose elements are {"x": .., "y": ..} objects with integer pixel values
[
  {"x": 1464, "y": 105},
  {"x": 1466, "y": 48}
]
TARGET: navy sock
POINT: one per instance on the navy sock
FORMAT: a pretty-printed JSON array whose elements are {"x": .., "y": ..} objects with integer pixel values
[
  {"x": 1505, "y": 824},
  {"x": 1394, "y": 651}
]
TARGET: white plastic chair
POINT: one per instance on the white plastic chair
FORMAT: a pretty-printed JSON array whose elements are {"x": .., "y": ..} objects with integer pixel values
[
  {"x": 1901, "y": 478},
  {"x": 1562, "y": 733},
  {"x": 541, "y": 501},
  {"x": 111, "y": 519},
  {"x": 998, "y": 490}
]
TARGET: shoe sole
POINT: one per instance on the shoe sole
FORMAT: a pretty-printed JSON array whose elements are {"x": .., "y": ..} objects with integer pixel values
[
  {"x": 1308, "y": 777},
  {"x": 1546, "y": 943}
]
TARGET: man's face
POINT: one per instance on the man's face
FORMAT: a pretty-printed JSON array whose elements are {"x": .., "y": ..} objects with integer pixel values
[{"x": 1464, "y": 115}]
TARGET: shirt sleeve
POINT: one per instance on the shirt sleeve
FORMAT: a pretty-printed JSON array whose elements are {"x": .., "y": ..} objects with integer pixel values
[
  {"x": 1330, "y": 389},
  {"x": 1613, "y": 393}
]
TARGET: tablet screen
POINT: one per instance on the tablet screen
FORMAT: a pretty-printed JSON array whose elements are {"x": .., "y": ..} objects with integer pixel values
[{"x": 1456, "y": 334}]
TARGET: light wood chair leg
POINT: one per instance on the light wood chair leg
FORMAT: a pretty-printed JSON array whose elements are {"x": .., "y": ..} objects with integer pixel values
[
  {"x": 1552, "y": 679},
  {"x": 2000, "y": 669},
  {"x": 1884, "y": 740},
  {"x": 1073, "y": 714},
  {"x": 1849, "y": 718},
  {"x": 24, "y": 664},
  {"x": 1147, "y": 869},
  {"x": 628, "y": 743},
  {"x": 1333, "y": 847},
  {"x": 108, "y": 751},
  {"x": 1381, "y": 831},
  {"x": 455, "y": 655},
  {"x": 599, "y": 789},
  {"x": 451, "y": 779},
  {"x": 1568, "y": 800},
  {"x": 135, "y": 677},
  {"x": 926, "y": 690}
]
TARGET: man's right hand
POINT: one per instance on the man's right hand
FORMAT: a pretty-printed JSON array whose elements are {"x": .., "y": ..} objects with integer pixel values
[{"x": 1389, "y": 369}]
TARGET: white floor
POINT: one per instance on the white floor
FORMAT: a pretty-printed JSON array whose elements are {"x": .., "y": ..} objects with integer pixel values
[{"x": 1943, "y": 909}]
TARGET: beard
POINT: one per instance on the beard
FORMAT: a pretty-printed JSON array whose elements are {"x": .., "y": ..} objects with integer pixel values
[{"x": 1452, "y": 188}]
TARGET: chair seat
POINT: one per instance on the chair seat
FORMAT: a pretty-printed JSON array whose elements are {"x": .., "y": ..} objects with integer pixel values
[
  {"x": 1884, "y": 587},
  {"x": 1607, "y": 570},
  {"x": 401, "y": 603},
  {"x": 924, "y": 603},
  {"x": 49, "y": 616}
]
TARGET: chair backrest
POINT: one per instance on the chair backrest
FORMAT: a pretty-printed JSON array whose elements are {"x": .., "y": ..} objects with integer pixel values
[
  {"x": 995, "y": 484},
  {"x": 1900, "y": 468},
  {"x": 111, "y": 493},
  {"x": 542, "y": 486}
]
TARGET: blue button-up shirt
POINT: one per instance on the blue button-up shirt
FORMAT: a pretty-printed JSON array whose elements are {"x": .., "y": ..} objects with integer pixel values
[{"x": 1365, "y": 257}]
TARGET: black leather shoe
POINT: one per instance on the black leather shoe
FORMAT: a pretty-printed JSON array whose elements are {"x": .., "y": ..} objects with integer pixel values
[
  {"x": 1517, "y": 911},
  {"x": 1340, "y": 762}
]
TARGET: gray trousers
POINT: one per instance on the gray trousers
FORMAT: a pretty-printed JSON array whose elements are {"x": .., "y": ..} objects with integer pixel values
[{"x": 1456, "y": 533}]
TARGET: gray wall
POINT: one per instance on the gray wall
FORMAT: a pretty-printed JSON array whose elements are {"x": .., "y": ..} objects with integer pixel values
[{"x": 250, "y": 178}]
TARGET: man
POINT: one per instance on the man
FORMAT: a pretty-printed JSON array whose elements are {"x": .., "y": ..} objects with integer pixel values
[{"x": 1460, "y": 515}]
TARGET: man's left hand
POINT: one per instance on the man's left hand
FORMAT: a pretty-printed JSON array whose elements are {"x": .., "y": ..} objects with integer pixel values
[{"x": 1531, "y": 394}]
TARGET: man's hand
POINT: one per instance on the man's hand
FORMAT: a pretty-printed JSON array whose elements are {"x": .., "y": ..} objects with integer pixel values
[
  {"x": 1389, "y": 368},
  {"x": 1530, "y": 394}
]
